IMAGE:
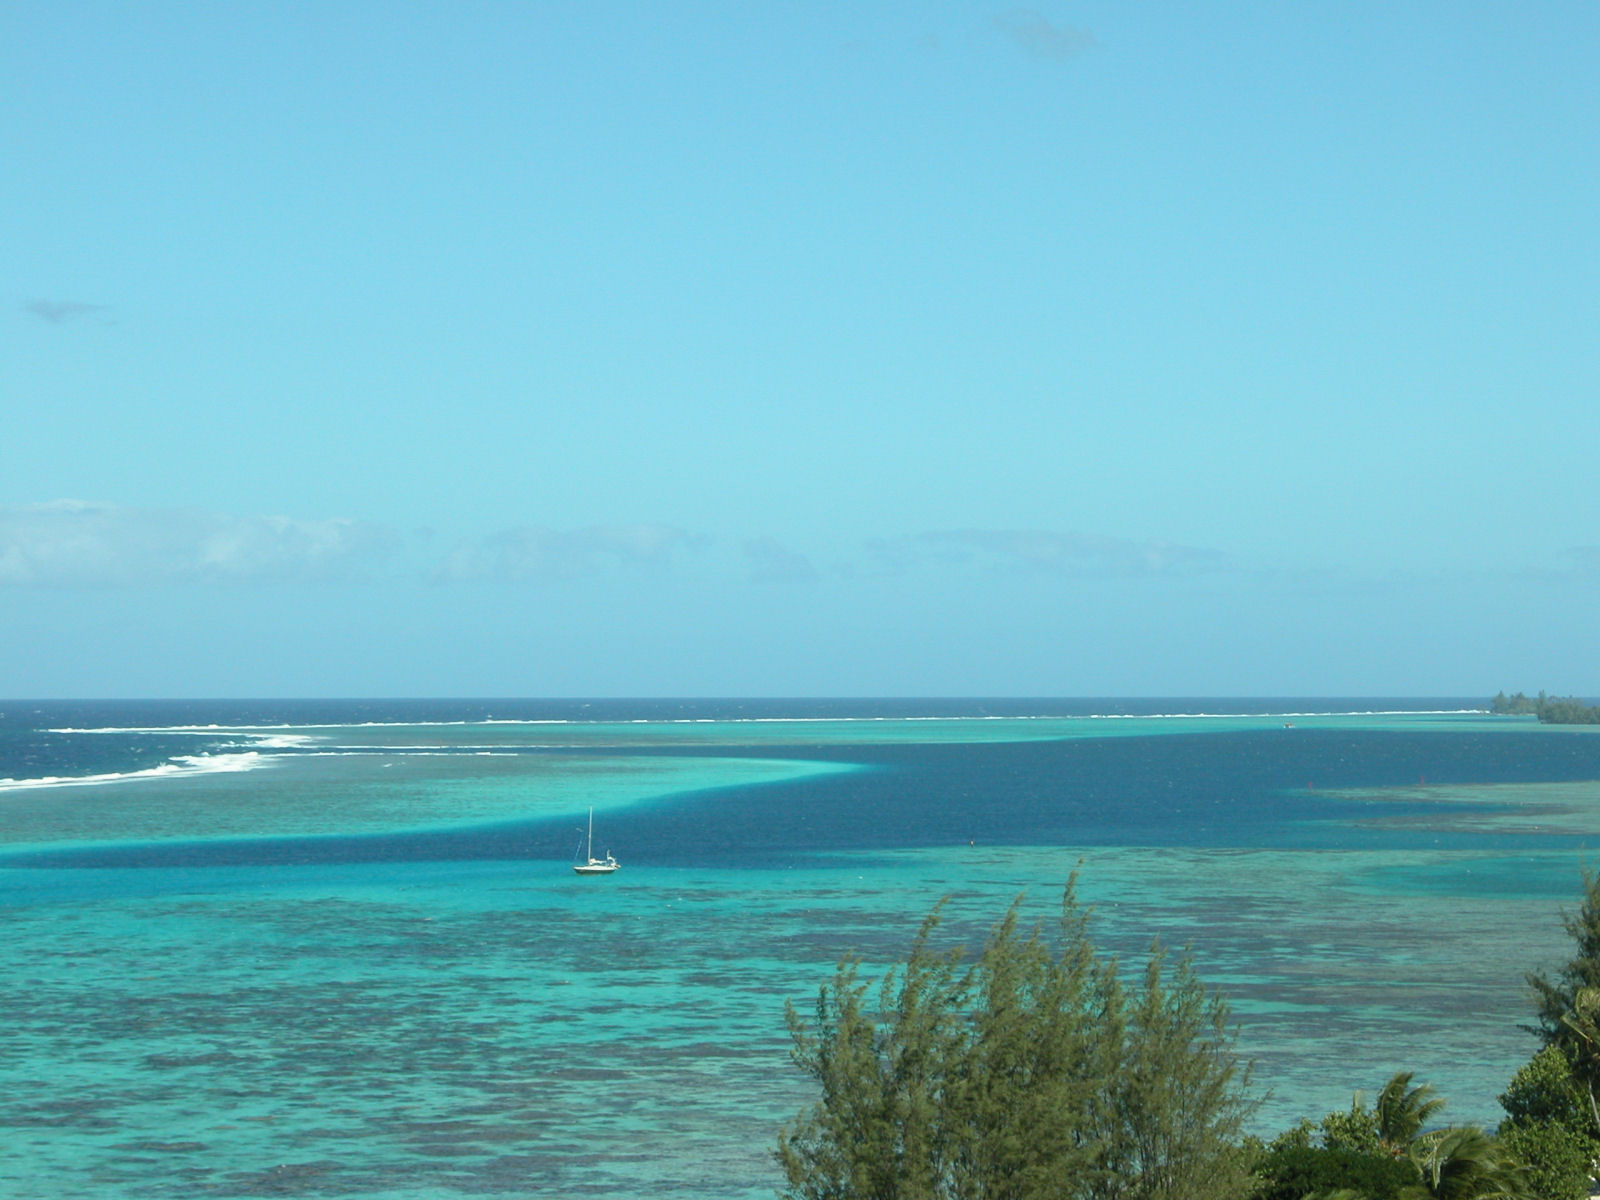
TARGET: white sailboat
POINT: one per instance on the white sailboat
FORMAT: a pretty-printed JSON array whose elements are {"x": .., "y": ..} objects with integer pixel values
[{"x": 595, "y": 866}]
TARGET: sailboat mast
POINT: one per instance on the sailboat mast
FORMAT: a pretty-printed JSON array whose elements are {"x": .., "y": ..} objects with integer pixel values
[{"x": 591, "y": 833}]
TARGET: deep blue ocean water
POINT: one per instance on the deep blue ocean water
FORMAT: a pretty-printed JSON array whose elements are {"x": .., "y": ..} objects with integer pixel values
[{"x": 333, "y": 947}]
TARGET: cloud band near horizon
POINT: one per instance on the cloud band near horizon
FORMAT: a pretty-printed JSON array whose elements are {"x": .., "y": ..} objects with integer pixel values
[{"x": 76, "y": 543}]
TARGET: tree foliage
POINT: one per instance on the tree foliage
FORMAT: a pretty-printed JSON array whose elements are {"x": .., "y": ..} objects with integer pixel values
[
  {"x": 1465, "y": 1163},
  {"x": 1402, "y": 1111},
  {"x": 1514, "y": 705},
  {"x": 1568, "y": 1003},
  {"x": 1552, "y": 1107},
  {"x": 1557, "y": 1161},
  {"x": 1038, "y": 1071},
  {"x": 1544, "y": 1091},
  {"x": 1567, "y": 710},
  {"x": 1295, "y": 1171},
  {"x": 1551, "y": 710},
  {"x": 1355, "y": 1129},
  {"x": 1034, "y": 1072},
  {"x": 1387, "y": 1153}
]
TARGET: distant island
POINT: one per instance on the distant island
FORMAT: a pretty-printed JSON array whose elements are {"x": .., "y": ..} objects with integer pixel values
[{"x": 1551, "y": 710}]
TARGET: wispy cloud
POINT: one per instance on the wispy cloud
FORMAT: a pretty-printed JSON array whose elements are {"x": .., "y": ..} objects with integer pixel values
[
  {"x": 1035, "y": 33},
  {"x": 536, "y": 553},
  {"x": 75, "y": 543},
  {"x": 61, "y": 312},
  {"x": 1073, "y": 554},
  {"x": 770, "y": 561}
]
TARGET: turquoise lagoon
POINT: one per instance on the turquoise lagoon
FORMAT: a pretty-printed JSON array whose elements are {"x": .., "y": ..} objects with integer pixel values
[{"x": 348, "y": 958}]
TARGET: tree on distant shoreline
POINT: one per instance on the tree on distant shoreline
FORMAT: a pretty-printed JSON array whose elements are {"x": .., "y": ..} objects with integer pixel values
[
  {"x": 1514, "y": 705},
  {"x": 1551, "y": 710}
]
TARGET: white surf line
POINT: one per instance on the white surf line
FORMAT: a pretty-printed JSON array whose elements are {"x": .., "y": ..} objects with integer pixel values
[
  {"x": 256, "y": 731},
  {"x": 182, "y": 765},
  {"x": 290, "y": 740},
  {"x": 411, "y": 752}
]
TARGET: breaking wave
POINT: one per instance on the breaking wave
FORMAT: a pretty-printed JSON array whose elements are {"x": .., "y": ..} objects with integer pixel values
[{"x": 183, "y": 764}]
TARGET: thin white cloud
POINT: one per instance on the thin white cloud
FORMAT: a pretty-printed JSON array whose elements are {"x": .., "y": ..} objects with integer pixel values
[
  {"x": 61, "y": 312},
  {"x": 75, "y": 543},
  {"x": 1035, "y": 33},
  {"x": 536, "y": 553},
  {"x": 770, "y": 561},
  {"x": 1073, "y": 554}
]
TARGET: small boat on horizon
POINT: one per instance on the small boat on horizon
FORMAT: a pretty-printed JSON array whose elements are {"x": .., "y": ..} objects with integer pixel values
[{"x": 595, "y": 866}]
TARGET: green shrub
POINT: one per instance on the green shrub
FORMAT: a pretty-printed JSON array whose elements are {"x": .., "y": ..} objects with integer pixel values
[{"x": 1292, "y": 1172}]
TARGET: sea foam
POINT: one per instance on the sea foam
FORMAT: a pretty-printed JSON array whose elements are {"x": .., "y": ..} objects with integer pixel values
[{"x": 183, "y": 764}]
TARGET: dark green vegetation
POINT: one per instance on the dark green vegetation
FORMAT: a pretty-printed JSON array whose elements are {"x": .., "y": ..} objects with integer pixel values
[
  {"x": 1033, "y": 1072},
  {"x": 1389, "y": 1151},
  {"x": 1551, "y": 710},
  {"x": 1038, "y": 1071}
]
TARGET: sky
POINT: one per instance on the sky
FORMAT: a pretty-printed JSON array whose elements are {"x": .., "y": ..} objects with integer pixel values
[{"x": 785, "y": 348}]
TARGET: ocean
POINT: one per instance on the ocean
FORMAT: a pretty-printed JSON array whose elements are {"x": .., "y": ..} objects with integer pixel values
[{"x": 335, "y": 948}]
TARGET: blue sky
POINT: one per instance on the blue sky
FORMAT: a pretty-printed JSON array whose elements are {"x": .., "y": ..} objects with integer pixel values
[{"x": 799, "y": 349}]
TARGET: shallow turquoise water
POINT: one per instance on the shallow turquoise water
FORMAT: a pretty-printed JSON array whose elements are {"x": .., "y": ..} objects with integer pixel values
[{"x": 501, "y": 1027}]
